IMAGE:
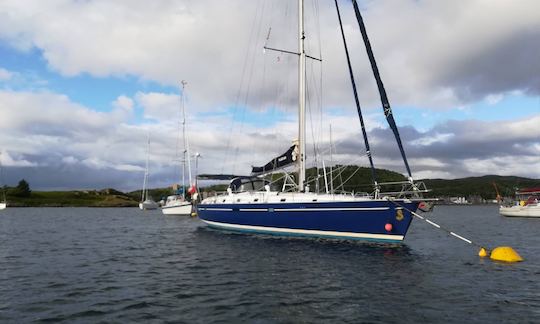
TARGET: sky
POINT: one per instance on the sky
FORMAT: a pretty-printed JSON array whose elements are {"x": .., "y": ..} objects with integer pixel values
[{"x": 83, "y": 83}]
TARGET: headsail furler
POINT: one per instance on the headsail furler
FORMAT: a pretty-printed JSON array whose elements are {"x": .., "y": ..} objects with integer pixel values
[
  {"x": 384, "y": 99},
  {"x": 353, "y": 83}
]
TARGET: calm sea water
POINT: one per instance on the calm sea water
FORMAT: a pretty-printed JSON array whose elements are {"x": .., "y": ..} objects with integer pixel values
[{"x": 125, "y": 265}]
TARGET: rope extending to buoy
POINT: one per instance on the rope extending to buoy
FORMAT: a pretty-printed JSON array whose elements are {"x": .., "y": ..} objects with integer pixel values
[
  {"x": 504, "y": 253},
  {"x": 437, "y": 225}
]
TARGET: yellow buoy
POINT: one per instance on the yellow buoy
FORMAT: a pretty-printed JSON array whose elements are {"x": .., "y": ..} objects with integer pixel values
[
  {"x": 483, "y": 253},
  {"x": 506, "y": 254},
  {"x": 194, "y": 214}
]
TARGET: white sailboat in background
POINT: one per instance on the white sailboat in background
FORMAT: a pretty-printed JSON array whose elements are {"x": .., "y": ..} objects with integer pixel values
[
  {"x": 3, "y": 203},
  {"x": 178, "y": 204},
  {"x": 147, "y": 202},
  {"x": 527, "y": 204}
]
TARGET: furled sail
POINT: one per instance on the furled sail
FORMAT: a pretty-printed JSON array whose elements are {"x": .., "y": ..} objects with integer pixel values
[
  {"x": 382, "y": 92},
  {"x": 279, "y": 162}
]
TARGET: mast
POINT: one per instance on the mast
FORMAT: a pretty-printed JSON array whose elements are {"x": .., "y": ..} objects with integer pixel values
[
  {"x": 382, "y": 92},
  {"x": 145, "y": 181},
  {"x": 2, "y": 179},
  {"x": 186, "y": 142},
  {"x": 331, "y": 163},
  {"x": 301, "y": 98}
]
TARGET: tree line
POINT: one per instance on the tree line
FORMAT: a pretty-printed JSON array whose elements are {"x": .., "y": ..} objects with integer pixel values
[{"x": 21, "y": 190}]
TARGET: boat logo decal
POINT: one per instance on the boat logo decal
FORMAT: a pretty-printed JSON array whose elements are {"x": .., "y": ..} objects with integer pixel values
[{"x": 399, "y": 215}]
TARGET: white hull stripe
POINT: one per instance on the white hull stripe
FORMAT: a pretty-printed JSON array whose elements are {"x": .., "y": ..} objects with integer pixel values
[
  {"x": 330, "y": 209},
  {"x": 265, "y": 229},
  {"x": 296, "y": 209}
]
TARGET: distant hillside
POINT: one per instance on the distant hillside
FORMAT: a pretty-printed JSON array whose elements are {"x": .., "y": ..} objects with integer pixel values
[
  {"x": 479, "y": 186},
  {"x": 360, "y": 180},
  {"x": 357, "y": 179},
  {"x": 79, "y": 198}
]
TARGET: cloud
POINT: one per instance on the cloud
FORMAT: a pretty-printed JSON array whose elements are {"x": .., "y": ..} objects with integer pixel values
[
  {"x": 48, "y": 130},
  {"x": 433, "y": 55},
  {"x": 9, "y": 161},
  {"x": 5, "y": 74},
  {"x": 160, "y": 106},
  {"x": 487, "y": 49},
  {"x": 76, "y": 147}
]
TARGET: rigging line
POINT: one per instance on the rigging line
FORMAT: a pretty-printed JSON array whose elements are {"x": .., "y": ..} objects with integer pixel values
[
  {"x": 263, "y": 86},
  {"x": 382, "y": 92},
  {"x": 340, "y": 169},
  {"x": 357, "y": 102},
  {"x": 237, "y": 99},
  {"x": 320, "y": 97},
  {"x": 342, "y": 185},
  {"x": 249, "y": 83},
  {"x": 2, "y": 178},
  {"x": 315, "y": 108},
  {"x": 315, "y": 149},
  {"x": 268, "y": 35},
  {"x": 276, "y": 97},
  {"x": 318, "y": 104}
]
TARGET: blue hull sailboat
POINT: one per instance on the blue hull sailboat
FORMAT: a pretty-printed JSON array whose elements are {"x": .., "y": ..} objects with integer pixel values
[
  {"x": 375, "y": 220},
  {"x": 251, "y": 205}
]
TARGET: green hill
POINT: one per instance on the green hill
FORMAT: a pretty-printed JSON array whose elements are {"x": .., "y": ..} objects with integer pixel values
[
  {"x": 82, "y": 198},
  {"x": 479, "y": 186}
]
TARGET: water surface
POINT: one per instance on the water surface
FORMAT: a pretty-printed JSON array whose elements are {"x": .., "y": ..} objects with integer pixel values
[{"x": 124, "y": 265}]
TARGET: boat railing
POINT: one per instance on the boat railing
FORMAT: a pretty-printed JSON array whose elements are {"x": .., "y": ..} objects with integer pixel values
[
  {"x": 403, "y": 189},
  {"x": 397, "y": 189}
]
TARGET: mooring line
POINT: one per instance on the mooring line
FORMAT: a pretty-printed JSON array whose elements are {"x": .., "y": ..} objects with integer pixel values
[
  {"x": 449, "y": 232},
  {"x": 501, "y": 253}
]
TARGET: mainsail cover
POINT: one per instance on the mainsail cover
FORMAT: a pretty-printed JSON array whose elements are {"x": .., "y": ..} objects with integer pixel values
[{"x": 279, "y": 162}]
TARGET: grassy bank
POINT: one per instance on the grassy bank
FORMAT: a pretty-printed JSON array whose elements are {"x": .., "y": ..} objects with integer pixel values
[{"x": 93, "y": 198}]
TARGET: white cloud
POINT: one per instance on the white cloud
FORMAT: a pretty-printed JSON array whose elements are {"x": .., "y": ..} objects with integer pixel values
[
  {"x": 433, "y": 54},
  {"x": 123, "y": 103},
  {"x": 493, "y": 99},
  {"x": 505, "y": 165},
  {"x": 5, "y": 74},
  {"x": 49, "y": 125},
  {"x": 9, "y": 161},
  {"x": 70, "y": 160},
  {"x": 433, "y": 138},
  {"x": 168, "y": 41},
  {"x": 160, "y": 106}
]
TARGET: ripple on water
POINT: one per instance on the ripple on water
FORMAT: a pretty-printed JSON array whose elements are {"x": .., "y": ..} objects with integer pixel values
[{"x": 121, "y": 265}]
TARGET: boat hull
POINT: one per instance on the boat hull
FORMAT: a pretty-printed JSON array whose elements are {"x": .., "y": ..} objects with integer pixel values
[
  {"x": 180, "y": 209},
  {"x": 520, "y": 211},
  {"x": 3, "y": 206},
  {"x": 356, "y": 220},
  {"x": 148, "y": 205}
]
